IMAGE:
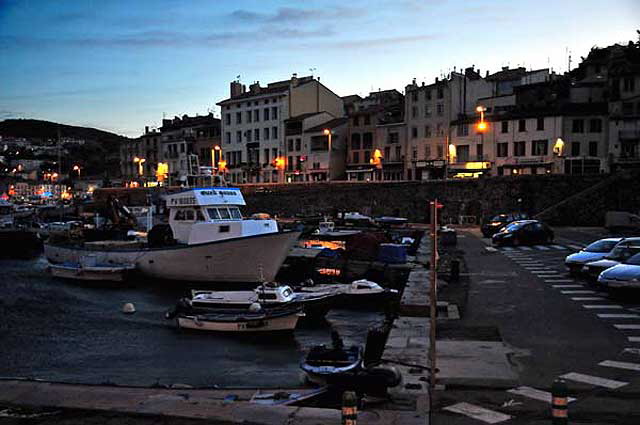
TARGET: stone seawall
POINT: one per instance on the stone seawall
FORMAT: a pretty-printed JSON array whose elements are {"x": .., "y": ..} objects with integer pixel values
[{"x": 478, "y": 197}]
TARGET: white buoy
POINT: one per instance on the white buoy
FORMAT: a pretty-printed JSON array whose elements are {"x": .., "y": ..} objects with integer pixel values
[
  {"x": 128, "y": 308},
  {"x": 255, "y": 307}
]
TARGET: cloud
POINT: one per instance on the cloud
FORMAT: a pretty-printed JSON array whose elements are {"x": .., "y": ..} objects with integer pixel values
[
  {"x": 297, "y": 15},
  {"x": 383, "y": 41},
  {"x": 5, "y": 114}
]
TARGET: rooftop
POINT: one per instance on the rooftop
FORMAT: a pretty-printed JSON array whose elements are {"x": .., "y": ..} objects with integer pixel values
[{"x": 336, "y": 122}]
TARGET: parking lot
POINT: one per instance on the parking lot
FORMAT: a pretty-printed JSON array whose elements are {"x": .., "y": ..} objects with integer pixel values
[{"x": 557, "y": 325}]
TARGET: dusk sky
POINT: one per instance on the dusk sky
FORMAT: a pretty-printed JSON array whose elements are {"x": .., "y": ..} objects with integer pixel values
[{"x": 119, "y": 65}]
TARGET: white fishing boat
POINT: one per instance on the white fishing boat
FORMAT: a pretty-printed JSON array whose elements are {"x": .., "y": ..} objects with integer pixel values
[
  {"x": 254, "y": 319},
  {"x": 358, "y": 293},
  {"x": 206, "y": 240}
]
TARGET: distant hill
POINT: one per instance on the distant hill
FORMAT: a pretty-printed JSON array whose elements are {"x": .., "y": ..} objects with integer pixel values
[{"x": 99, "y": 155}]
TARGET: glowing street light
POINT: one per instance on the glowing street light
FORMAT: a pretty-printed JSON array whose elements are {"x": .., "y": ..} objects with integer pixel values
[
  {"x": 139, "y": 161},
  {"x": 77, "y": 168},
  {"x": 482, "y": 125},
  {"x": 215, "y": 162},
  {"x": 327, "y": 132}
]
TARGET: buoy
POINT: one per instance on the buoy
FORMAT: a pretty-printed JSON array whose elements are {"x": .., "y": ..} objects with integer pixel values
[
  {"x": 128, "y": 308},
  {"x": 255, "y": 307}
]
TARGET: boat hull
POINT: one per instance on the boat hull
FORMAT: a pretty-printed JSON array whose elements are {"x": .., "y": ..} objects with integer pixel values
[
  {"x": 113, "y": 274},
  {"x": 267, "y": 324},
  {"x": 247, "y": 259}
]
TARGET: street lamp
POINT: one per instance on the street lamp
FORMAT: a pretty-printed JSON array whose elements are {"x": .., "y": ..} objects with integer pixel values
[
  {"x": 327, "y": 132},
  {"x": 214, "y": 161},
  {"x": 139, "y": 161},
  {"x": 77, "y": 168}
]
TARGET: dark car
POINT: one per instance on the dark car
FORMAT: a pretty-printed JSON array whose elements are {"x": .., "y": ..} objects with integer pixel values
[
  {"x": 523, "y": 232},
  {"x": 492, "y": 226}
]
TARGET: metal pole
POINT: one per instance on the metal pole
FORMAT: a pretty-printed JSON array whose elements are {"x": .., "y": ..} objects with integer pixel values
[
  {"x": 329, "y": 163},
  {"x": 432, "y": 293},
  {"x": 349, "y": 408}
]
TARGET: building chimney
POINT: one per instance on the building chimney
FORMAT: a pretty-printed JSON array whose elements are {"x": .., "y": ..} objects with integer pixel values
[
  {"x": 146, "y": 129},
  {"x": 236, "y": 89},
  {"x": 487, "y": 74},
  {"x": 505, "y": 68},
  {"x": 255, "y": 88},
  {"x": 294, "y": 79}
]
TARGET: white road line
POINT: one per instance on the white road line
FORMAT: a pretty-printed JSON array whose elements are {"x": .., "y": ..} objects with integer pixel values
[
  {"x": 621, "y": 365},
  {"x": 567, "y": 286},
  {"x": 598, "y": 306},
  {"x": 634, "y": 339},
  {"x": 577, "y": 292},
  {"x": 541, "y": 247},
  {"x": 507, "y": 248},
  {"x": 560, "y": 247},
  {"x": 588, "y": 299},
  {"x": 546, "y": 272},
  {"x": 618, "y": 316},
  {"x": 479, "y": 413},
  {"x": 576, "y": 247},
  {"x": 553, "y": 280},
  {"x": 525, "y": 248},
  {"x": 535, "y": 394},
  {"x": 627, "y": 327},
  {"x": 594, "y": 380}
]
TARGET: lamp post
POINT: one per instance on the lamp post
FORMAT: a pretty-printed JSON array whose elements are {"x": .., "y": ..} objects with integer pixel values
[
  {"x": 139, "y": 161},
  {"x": 327, "y": 132},
  {"x": 77, "y": 168}
]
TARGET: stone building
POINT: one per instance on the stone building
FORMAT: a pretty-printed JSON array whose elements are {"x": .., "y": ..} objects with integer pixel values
[
  {"x": 253, "y": 123},
  {"x": 146, "y": 146}
]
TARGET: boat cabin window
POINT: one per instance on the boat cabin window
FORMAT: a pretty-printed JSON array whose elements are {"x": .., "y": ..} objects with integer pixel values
[
  {"x": 189, "y": 215},
  {"x": 213, "y": 214},
  {"x": 224, "y": 213},
  {"x": 268, "y": 296},
  {"x": 179, "y": 215},
  {"x": 199, "y": 215}
]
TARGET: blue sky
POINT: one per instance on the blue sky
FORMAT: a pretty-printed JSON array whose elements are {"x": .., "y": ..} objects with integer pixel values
[{"x": 121, "y": 65}]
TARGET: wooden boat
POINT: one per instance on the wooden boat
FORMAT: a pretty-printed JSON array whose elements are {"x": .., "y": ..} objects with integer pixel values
[
  {"x": 326, "y": 365},
  {"x": 254, "y": 319},
  {"x": 110, "y": 273}
]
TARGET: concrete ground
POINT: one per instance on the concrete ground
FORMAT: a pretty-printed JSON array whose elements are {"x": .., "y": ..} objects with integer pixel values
[{"x": 554, "y": 325}]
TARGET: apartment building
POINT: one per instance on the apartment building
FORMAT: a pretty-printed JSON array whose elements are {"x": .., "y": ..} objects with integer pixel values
[
  {"x": 253, "y": 123},
  {"x": 146, "y": 146}
]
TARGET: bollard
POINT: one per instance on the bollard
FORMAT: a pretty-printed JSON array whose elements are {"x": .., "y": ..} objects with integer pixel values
[
  {"x": 559, "y": 402},
  {"x": 349, "y": 408}
]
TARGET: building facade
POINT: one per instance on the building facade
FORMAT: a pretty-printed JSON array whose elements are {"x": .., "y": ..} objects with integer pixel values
[{"x": 253, "y": 123}]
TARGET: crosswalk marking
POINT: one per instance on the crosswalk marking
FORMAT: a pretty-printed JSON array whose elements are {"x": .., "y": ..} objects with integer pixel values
[
  {"x": 535, "y": 394},
  {"x": 618, "y": 316},
  {"x": 576, "y": 247},
  {"x": 587, "y": 299},
  {"x": 545, "y": 272},
  {"x": 594, "y": 380},
  {"x": 541, "y": 247},
  {"x": 508, "y": 248},
  {"x": 577, "y": 292},
  {"x": 479, "y": 413},
  {"x": 555, "y": 280},
  {"x": 560, "y": 247},
  {"x": 567, "y": 286},
  {"x": 627, "y": 327},
  {"x": 525, "y": 248},
  {"x": 603, "y": 306},
  {"x": 621, "y": 365},
  {"x": 634, "y": 339}
]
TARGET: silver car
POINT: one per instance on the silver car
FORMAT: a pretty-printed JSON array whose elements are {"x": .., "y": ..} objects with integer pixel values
[
  {"x": 625, "y": 275},
  {"x": 624, "y": 250},
  {"x": 593, "y": 252}
]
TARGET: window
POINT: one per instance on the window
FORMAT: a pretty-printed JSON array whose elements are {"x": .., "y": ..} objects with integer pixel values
[
  {"x": 414, "y": 96},
  {"x": 503, "y": 149},
  {"x": 575, "y": 149},
  {"x": 539, "y": 147},
  {"x": 189, "y": 215},
  {"x": 367, "y": 120},
  {"x": 199, "y": 215},
  {"x": 627, "y": 108},
  {"x": 440, "y": 93},
  {"x": 519, "y": 149},
  {"x": 440, "y": 109},
  {"x": 249, "y": 115},
  {"x": 414, "y": 154},
  {"x": 213, "y": 214},
  {"x": 223, "y": 229},
  {"x": 182, "y": 147},
  {"x": 628, "y": 84},
  {"x": 274, "y": 112},
  {"x": 238, "y": 137},
  {"x": 440, "y": 151},
  {"x": 479, "y": 152},
  {"x": 256, "y": 115},
  {"x": 577, "y": 126},
  {"x": 462, "y": 129},
  {"x": 427, "y": 110},
  {"x": 593, "y": 148},
  {"x": 427, "y": 95},
  {"x": 540, "y": 124},
  {"x": 179, "y": 215},
  {"x": 290, "y": 145},
  {"x": 463, "y": 153},
  {"x": 274, "y": 153},
  {"x": 398, "y": 153},
  {"x": 367, "y": 140},
  {"x": 266, "y": 133},
  {"x": 356, "y": 157},
  {"x": 414, "y": 132},
  {"x": 266, "y": 156},
  {"x": 227, "y": 137},
  {"x": 266, "y": 114},
  {"x": 247, "y": 135},
  {"x": 227, "y": 119},
  {"x": 274, "y": 132},
  {"x": 356, "y": 121},
  {"x": 393, "y": 138},
  {"x": 298, "y": 144},
  {"x": 522, "y": 125},
  {"x": 235, "y": 213},
  {"x": 595, "y": 125},
  {"x": 238, "y": 117},
  {"x": 414, "y": 111},
  {"x": 427, "y": 152},
  {"x": 427, "y": 131},
  {"x": 387, "y": 153},
  {"x": 439, "y": 129},
  {"x": 355, "y": 141},
  {"x": 256, "y": 134},
  {"x": 505, "y": 127}
]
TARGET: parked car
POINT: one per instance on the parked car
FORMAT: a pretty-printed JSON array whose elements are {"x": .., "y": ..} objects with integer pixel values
[
  {"x": 625, "y": 275},
  {"x": 523, "y": 232},
  {"x": 497, "y": 222},
  {"x": 592, "y": 252},
  {"x": 624, "y": 250}
]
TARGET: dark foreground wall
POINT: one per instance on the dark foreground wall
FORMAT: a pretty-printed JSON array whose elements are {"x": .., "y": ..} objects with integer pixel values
[{"x": 583, "y": 200}]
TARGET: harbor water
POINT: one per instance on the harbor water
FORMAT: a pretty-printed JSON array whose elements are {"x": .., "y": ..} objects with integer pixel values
[{"x": 69, "y": 331}]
